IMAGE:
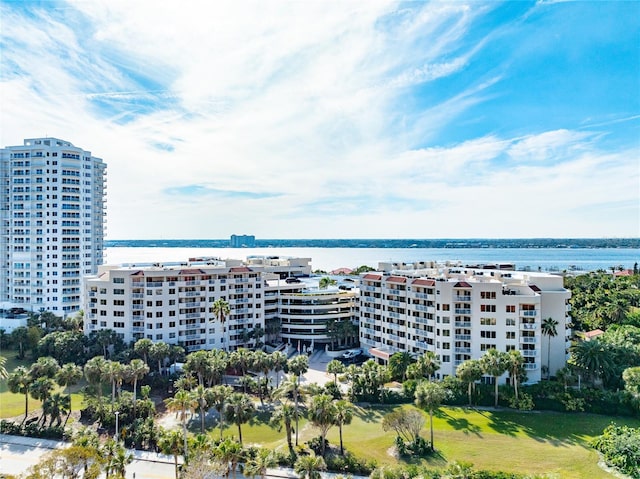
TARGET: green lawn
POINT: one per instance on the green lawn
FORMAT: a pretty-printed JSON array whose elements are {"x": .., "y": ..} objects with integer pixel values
[
  {"x": 533, "y": 442},
  {"x": 13, "y": 404}
]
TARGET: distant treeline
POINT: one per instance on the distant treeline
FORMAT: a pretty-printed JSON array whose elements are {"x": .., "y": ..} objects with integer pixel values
[{"x": 390, "y": 243}]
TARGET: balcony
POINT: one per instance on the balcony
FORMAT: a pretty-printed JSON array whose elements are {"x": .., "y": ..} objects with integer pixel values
[
  {"x": 463, "y": 337},
  {"x": 463, "y": 324},
  {"x": 530, "y": 353},
  {"x": 154, "y": 284},
  {"x": 463, "y": 350},
  {"x": 528, "y": 339},
  {"x": 462, "y": 311},
  {"x": 462, "y": 298},
  {"x": 528, "y": 313},
  {"x": 528, "y": 326},
  {"x": 530, "y": 366}
]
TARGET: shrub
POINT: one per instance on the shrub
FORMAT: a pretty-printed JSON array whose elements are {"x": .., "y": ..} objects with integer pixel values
[
  {"x": 350, "y": 464},
  {"x": 620, "y": 446}
]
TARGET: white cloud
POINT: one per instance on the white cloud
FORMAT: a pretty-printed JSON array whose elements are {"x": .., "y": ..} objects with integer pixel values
[{"x": 298, "y": 99}]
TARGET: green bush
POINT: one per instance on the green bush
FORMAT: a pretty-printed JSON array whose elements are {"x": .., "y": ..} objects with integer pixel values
[
  {"x": 349, "y": 464},
  {"x": 620, "y": 446}
]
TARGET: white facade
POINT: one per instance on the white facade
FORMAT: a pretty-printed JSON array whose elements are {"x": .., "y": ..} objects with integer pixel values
[
  {"x": 304, "y": 311},
  {"x": 173, "y": 303},
  {"x": 459, "y": 313},
  {"x": 51, "y": 223}
]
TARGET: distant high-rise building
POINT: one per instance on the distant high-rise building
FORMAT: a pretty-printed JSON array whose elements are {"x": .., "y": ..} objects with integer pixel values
[
  {"x": 242, "y": 241},
  {"x": 52, "y": 207}
]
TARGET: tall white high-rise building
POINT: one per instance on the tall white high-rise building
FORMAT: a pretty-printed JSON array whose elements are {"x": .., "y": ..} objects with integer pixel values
[{"x": 52, "y": 208}]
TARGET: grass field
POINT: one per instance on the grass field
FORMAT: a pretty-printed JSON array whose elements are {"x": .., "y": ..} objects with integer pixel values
[
  {"x": 531, "y": 442},
  {"x": 12, "y": 405}
]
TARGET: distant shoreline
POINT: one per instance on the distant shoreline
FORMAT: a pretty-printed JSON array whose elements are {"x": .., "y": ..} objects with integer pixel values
[{"x": 518, "y": 243}]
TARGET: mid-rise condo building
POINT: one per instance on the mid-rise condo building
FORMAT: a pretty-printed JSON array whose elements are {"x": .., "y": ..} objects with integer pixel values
[
  {"x": 460, "y": 312},
  {"x": 52, "y": 212}
]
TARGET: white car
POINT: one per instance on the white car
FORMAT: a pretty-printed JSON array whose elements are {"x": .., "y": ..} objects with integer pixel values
[{"x": 352, "y": 353}]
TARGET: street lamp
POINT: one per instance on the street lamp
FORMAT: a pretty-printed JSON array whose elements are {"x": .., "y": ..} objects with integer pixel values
[{"x": 117, "y": 413}]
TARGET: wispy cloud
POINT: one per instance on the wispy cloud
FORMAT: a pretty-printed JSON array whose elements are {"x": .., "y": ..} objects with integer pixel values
[{"x": 307, "y": 119}]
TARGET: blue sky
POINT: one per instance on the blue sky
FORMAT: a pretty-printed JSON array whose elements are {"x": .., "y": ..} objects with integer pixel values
[{"x": 289, "y": 119}]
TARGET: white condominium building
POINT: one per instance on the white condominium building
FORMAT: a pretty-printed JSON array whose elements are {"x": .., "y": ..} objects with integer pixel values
[
  {"x": 460, "y": 312},
  {"x": 52, "y": 207},
  {"x": 308, "y": 316},
  {"x": 174, "y": 303}
]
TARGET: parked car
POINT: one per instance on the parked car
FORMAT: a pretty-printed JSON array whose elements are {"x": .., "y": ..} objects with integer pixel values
[{"x": 352, "y": 353}]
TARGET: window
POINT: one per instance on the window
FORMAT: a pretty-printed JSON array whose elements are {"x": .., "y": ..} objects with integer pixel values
[
  {"x": 118, "y": 302},
  {"x": 488, "y": 308},
  {"x": 118, "y": 291},
  {"x": 446, "y": 345},
  {"x": 511, "y": 322},
  {"x": 488, "y": 321},
  {"x": 118, "y": 324},
  {"x": 158, "y": 325},
  {"x": 118, "y": 314},
  {"x": 511, "y": 308},
  {"x": 511, "y": 335},
  {"x": 172, "y": 324},
  {"x": 510, "y": 347},
  {"x": 158, "y": 336},
  {"x": 488, "y": 295},
  {"x": 118, "y": 280},
  {"x": 446, "y": 307},
  {"x": 158, "y": 303},
  {"x": 487, "y": 347},
  {"x": 488, "y": 334}
]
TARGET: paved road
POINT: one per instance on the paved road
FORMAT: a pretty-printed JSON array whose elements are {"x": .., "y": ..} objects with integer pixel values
[{"x": 18, "y": 454}]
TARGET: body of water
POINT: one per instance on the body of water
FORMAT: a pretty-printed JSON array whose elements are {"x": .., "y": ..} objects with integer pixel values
[{"x": 327, "y": 259}]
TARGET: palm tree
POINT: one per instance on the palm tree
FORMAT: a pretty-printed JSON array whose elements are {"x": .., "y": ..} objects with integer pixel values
[
  {"x": 398, "y": 364},
  {"x": 239, "y": 410},
  {"x": 515, "y": 363},
  {"x": 134, "y": 372},
  {"x": 279, "y": 361},
  {"x": 93, "y": 372},
  {"x": 229, "y": 453},
  {"x": 19, "y": 382},
  {"x": 257, "y": 466},
  {"x": 335, "y": 367},
  {"x": 198, "y": 363},
  {"x": 159, "y": 352},
  {"x": 69, "y": 375},
  {"x": 171, "y": 443},
  {"x": 218, "y": 366},
  {"x": 204, "y": 397},
  {"x": 44, "y": 367},
  {"x": 183, "y": 403},
  {"x": 55, "y": 406},
  {"x": 142, "y": 347},
  {"x": 285, "y": 414},
  {"x": 494, "y": 363},
  {"x": 3, "y": 371},
  {"x": 221, "y": 309},
  {"x": 429, "y": 395},
  {"x": 40, "y": 389},
  {"x": 344, "y": 416},
  {"x": 594, "y": 357},
  {"x": 322, "y": 414},
  {"x": 428, "y": 363},
  {"x": 113, "y": 372},
  {"x": 469, "y": 372},
  {"x": 293, "y": 385},
  {"x": 309, "y": 467},
  {"x": 20, "y": 336},
  {"x": 219, "y": 396},
  {"x": 549, "y": 329}
]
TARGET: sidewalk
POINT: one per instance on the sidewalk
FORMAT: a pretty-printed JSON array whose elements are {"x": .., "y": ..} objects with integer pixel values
[{"x": 35, "y": 442}]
